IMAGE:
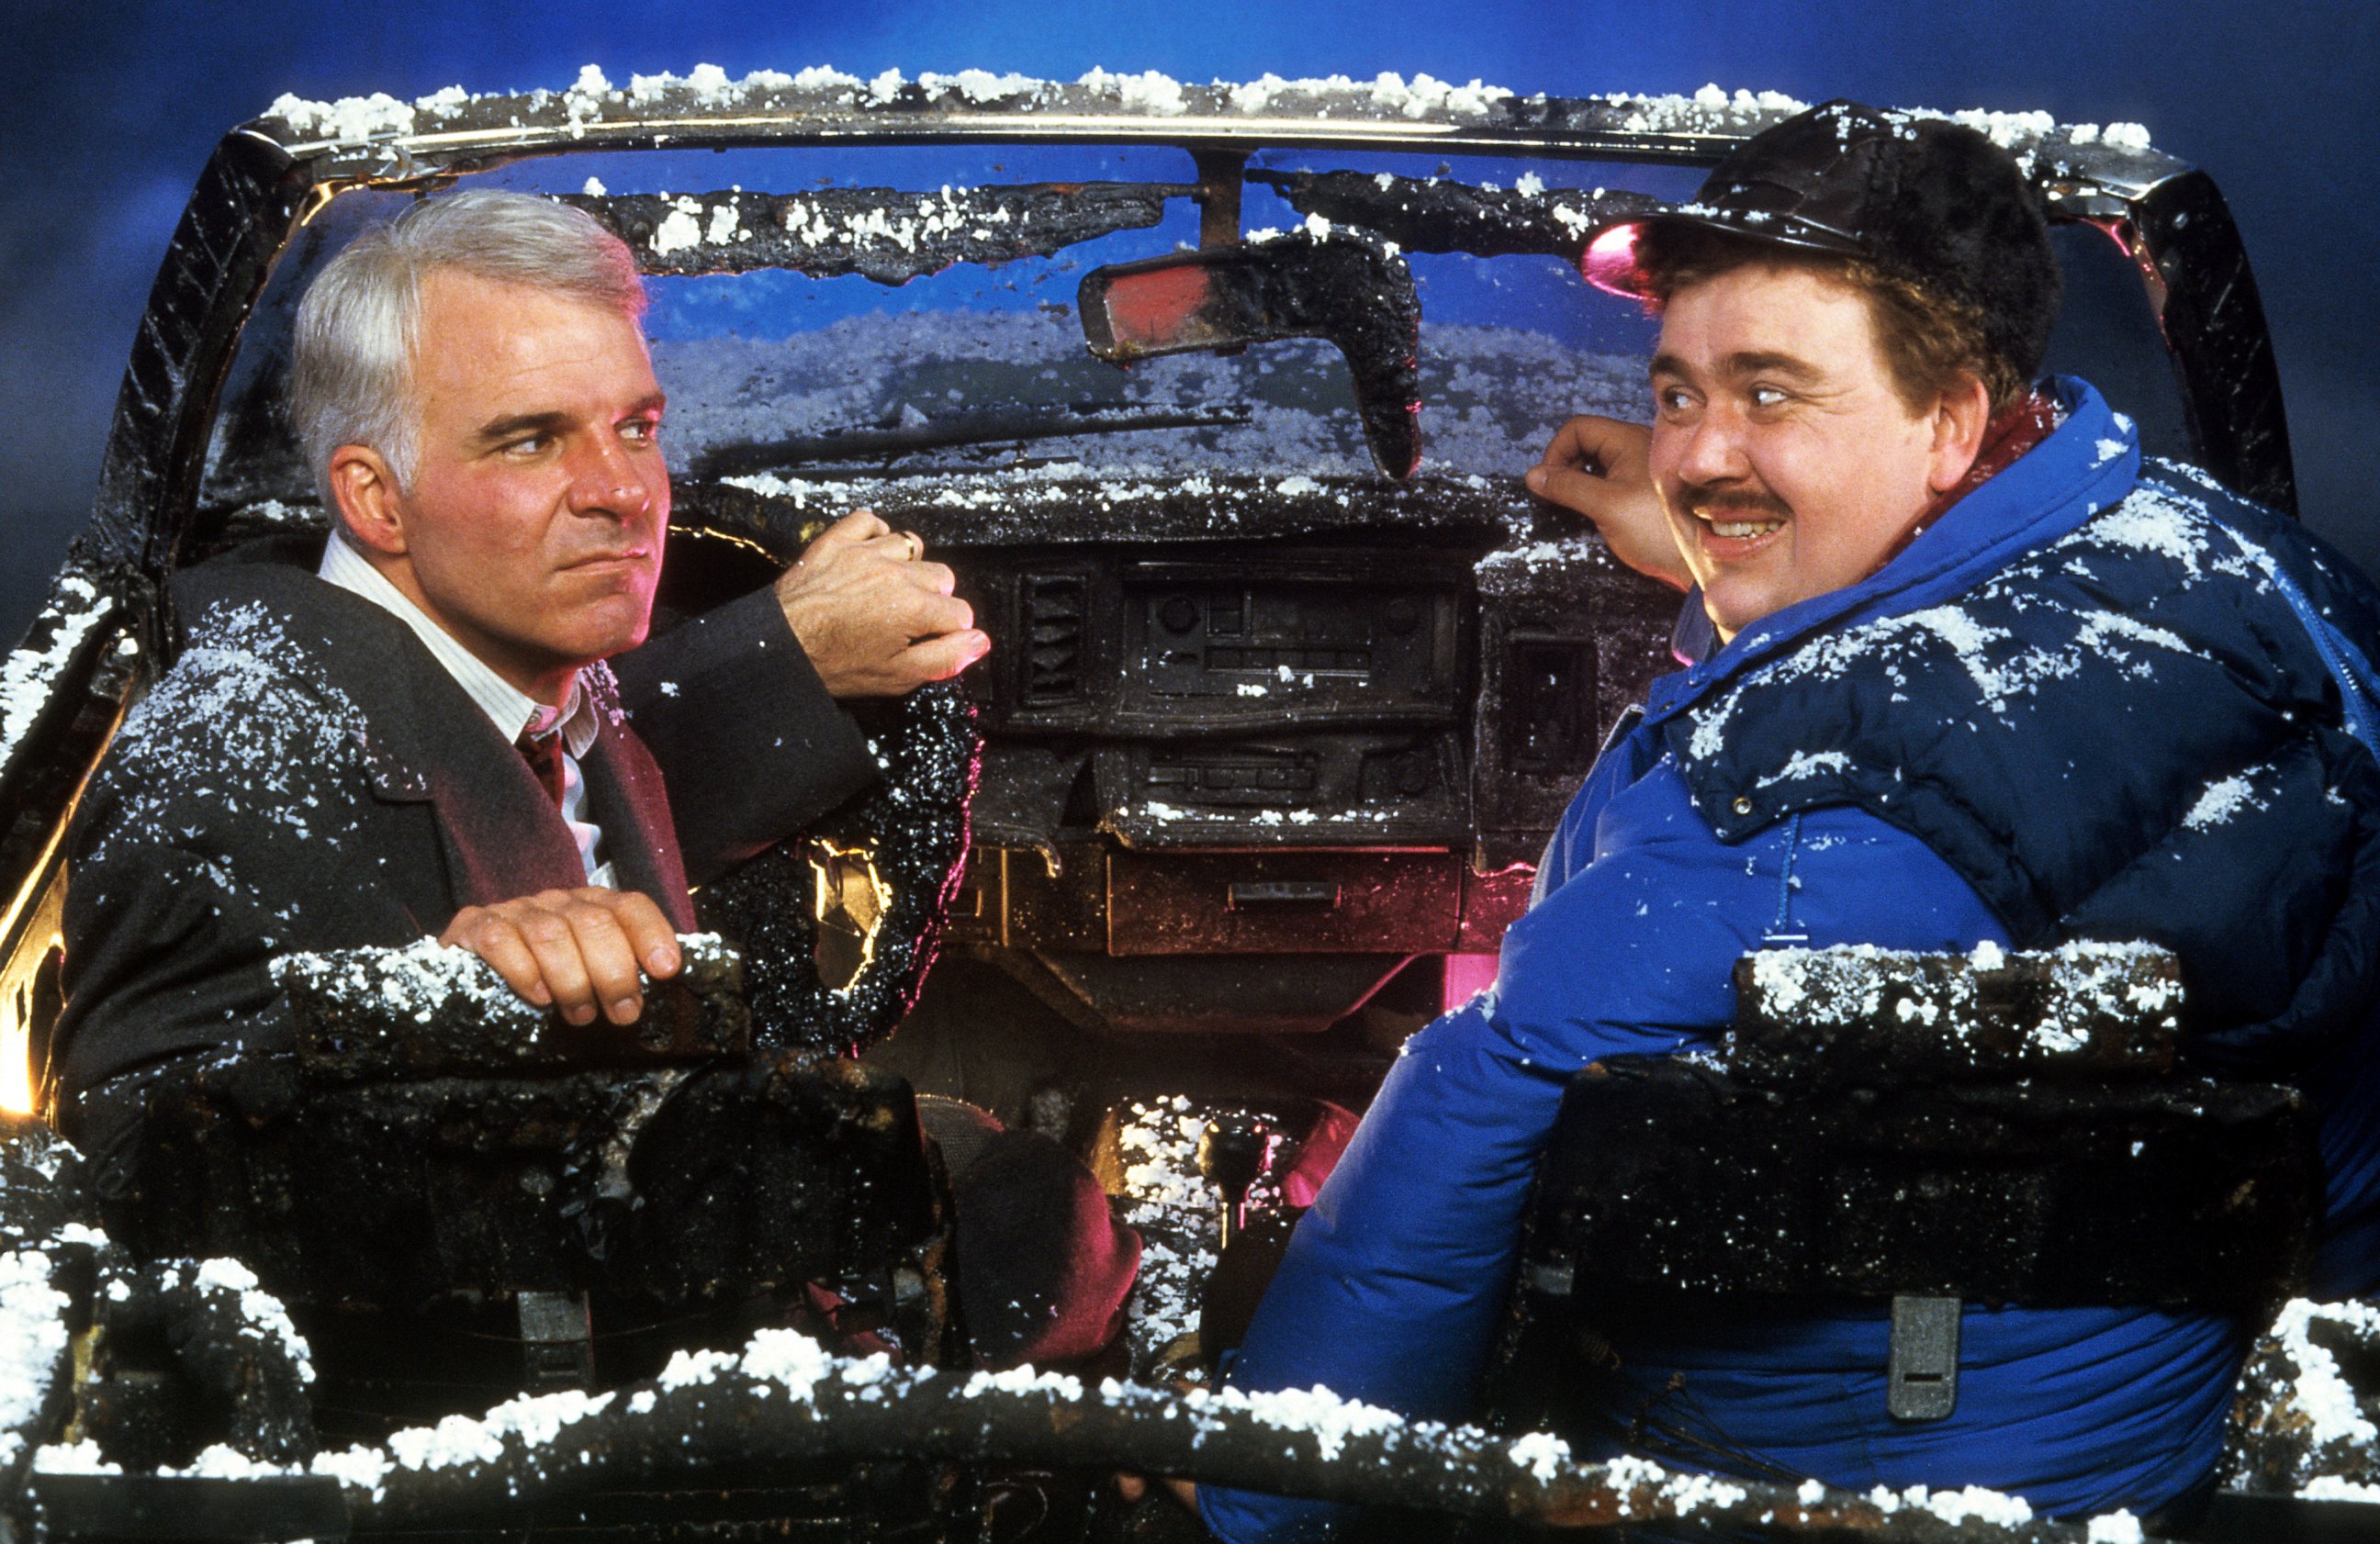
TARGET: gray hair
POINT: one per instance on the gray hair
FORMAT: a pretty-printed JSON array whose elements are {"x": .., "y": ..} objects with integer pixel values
[{"x": 351, "y": 370}]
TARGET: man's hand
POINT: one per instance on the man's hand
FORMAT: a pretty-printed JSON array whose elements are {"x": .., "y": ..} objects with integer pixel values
[
  {"x": 874, "y": 617},
  {"x": 1598, "y": 467},
  {"x": 577, "y": 951}
]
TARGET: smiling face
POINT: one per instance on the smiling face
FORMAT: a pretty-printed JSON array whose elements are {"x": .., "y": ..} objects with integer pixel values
[
  {"x": 531, "y": 529},
  {"x": 1786, "y": 459}
]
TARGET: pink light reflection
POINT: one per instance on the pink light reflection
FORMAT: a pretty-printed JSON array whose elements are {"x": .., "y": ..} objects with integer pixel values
[
  {"x": 1465, "y": 975},
  {"x": 1609, "y": 262}
]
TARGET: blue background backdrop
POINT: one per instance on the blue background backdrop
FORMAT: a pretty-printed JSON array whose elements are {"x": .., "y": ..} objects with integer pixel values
[{"x": 112, "y": 108}]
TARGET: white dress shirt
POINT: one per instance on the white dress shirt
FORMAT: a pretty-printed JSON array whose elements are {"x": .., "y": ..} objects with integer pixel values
[{"x": 513, "y": 711}]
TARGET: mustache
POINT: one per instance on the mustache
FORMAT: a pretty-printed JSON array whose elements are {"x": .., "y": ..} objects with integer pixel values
[{"x": 1715, "y": 501}]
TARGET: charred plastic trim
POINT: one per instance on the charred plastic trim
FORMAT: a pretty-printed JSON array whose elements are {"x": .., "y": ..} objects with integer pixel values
[
  {"x": 1568, "y": 640},
  {"x": 2166, "y": 1192},
  {"x": 2191, "y": 257},
  {"x": 346, "y": 1033},
  {"x": 996, "y": 510},
  {"x": 1443, "y": 215},
  {"x": 1352, "y": 291},
  {"x": 61, "y": 714},
  {"x": 1883, "y": 1017},
  {"x": 914, "y": 826},
  {"x": 179, "y": 1357},
  {"x": 187, "y": 1509},
  {"x": 882, "y": 234},
  {"x": 1901, "y": 1124},
  {"x": 239, "y": 217},
  {"x": 724, "y": 1415},
  {"x": 674, "y": 1186},
  {"x": 2275, "y": 1446}
]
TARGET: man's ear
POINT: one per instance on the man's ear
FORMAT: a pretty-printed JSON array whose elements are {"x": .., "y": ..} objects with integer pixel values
[
  {"x": 1960, "y": 416},
  {"x": 365, "y": 487}
]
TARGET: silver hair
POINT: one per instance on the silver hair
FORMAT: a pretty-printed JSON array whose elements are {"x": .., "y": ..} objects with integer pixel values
[{"x": 351, "y": 370}]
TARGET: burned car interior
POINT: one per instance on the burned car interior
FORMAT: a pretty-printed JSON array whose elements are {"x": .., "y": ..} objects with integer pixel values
[{"x": 1215, "y": 400}]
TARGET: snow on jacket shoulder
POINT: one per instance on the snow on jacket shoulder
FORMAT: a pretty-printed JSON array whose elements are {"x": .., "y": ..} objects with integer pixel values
[{"x": 2079, "y": 706}]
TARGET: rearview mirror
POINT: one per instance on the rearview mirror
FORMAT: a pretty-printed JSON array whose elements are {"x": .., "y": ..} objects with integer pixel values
[{"x": 1355, "y": 292}]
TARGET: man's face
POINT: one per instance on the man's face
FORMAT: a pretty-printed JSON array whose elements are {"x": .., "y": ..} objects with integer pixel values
[
  {"x": 1787, "y": 463},
  {"x": 533, "y": 523}
]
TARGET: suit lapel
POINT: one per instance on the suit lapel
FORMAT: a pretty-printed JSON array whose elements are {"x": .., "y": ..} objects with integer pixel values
[{"x": 429, "y": 741}]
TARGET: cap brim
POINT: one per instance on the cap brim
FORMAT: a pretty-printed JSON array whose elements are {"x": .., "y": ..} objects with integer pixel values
[{"x": 1610, "y": 262}]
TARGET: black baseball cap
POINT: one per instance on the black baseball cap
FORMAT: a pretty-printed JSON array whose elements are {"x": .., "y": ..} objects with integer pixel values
[{"x": 1932, "y": 203}]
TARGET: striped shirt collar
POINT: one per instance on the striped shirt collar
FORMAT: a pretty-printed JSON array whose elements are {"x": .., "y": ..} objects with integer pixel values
[{"x": 511, "y": 710}]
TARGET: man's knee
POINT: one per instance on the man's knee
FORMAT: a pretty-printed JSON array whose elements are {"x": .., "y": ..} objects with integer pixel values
[
  {"x": 1043, "y": 1266},
  {"x": 107, "y": 1121}
]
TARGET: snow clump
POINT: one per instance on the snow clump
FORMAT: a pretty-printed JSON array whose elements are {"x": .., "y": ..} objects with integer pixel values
[
  {"x": 2224, "y": 798},
  {"x": 260, "y": 1312},
  {"x": 788, "y": 1358},
  {"x": 1540, "y": 1453},
  {"x": 1148, "y": 92},
  {"x": 423, "y": 981},
  {"x": 63, "y": 1458},
  {"x": 29, "y": 676},
  {"x": 33, "y": 1346}
]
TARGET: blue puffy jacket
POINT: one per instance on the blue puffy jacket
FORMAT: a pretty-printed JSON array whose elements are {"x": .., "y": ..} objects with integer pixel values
[{"x": 2083, "y": 705}]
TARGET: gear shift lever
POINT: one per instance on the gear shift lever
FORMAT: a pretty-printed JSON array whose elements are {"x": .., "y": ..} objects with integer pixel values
[{"x": 1231, "y": 1155}]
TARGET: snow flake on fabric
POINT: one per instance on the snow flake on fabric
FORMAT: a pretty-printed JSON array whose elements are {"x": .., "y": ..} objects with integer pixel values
[
  {"x": 247, "y": 721},
  {"x": 2225, "y": 798},
  {"x": 1806, "y": 764},
  {"x": 1965, "y": 637}
]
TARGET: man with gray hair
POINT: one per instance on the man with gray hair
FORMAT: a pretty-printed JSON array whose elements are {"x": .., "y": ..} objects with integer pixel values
[{"x": 421, "y": 739}]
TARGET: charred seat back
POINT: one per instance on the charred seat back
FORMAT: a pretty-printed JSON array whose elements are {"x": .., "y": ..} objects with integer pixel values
[
  {"x": 432, "y": 1138},
  {"x": 1919, "y": 1129}
]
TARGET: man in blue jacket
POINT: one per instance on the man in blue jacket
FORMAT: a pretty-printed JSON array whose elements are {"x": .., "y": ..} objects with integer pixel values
[{"x": 1973, "y": 678}]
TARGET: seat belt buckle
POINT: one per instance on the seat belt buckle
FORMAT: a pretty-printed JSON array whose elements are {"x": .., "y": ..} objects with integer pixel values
[{"x": 1921, "y": 1376}]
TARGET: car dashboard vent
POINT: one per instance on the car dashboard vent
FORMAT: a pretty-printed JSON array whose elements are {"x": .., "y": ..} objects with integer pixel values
[{"x": 1055, "y": 606}]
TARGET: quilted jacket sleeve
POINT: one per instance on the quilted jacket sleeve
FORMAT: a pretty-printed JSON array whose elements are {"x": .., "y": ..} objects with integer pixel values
[{"x": 1391, "y": 1288}]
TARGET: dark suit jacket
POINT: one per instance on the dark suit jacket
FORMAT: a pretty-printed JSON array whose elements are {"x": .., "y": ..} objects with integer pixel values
[
  {"x": 752, "y": 745},
  {"x": 308, "y": 777}
]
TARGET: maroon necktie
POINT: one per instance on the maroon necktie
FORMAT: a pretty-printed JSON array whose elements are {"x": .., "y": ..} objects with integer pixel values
[{"x": 543, "y": 754}]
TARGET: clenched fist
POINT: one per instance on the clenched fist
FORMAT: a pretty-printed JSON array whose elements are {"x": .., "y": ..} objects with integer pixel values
[{"x": 874, "y": 617}]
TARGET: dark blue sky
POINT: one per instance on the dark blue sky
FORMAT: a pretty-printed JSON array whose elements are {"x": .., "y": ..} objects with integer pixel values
[{"x": 112, "y": 109}]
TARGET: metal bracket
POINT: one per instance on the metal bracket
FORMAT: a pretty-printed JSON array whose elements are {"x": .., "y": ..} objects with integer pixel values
[
  {"x": 1922, "y": 1378},
  {"x": 1352, "y": 290},
  {"x": 557, "y": 1340},
  {"x": 1221, "y": 174}
]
